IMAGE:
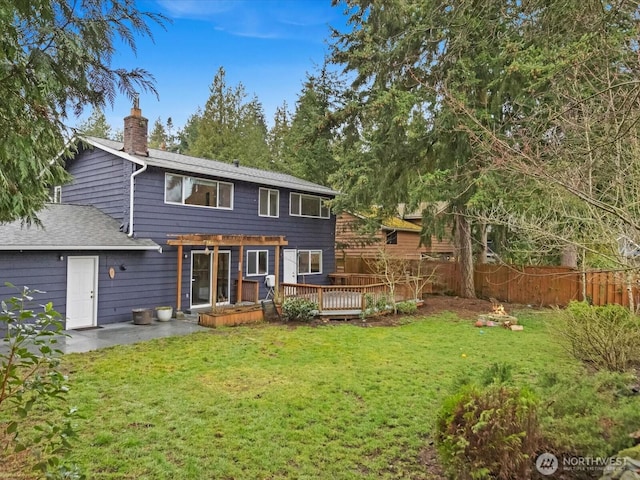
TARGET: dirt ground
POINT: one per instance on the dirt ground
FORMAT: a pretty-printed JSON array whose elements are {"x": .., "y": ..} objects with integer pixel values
[{"x": 465, "y": 308}]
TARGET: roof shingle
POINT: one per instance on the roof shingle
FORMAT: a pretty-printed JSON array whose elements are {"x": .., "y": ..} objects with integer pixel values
[{"x": 70, "y": 227}]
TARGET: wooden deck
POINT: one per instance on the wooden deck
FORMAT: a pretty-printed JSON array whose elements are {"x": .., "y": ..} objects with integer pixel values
[{"x": 342, "y": 301}]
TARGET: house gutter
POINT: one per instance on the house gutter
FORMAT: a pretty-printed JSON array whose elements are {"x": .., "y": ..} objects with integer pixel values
[{"x": 132, "y": 183}]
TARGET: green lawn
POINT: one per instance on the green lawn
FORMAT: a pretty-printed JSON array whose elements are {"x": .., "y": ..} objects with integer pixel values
[{"x": 271, "y": 401}]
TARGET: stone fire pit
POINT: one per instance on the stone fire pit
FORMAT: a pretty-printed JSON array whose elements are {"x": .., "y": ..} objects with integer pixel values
[{"x": 498, "y": 317}]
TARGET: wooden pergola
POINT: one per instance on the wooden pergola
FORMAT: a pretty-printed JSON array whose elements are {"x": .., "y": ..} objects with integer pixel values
[{"x": 217, "y": 241}]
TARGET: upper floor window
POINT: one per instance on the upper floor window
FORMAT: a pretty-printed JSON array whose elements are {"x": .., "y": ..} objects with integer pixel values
[
  {"x": 307, "y": 206},
  {"x": 269, "y": 203},
  {"x": 197, "y": 191},
  {"x": 257, "y": 262},
  {"x": 309, "y": 262}
]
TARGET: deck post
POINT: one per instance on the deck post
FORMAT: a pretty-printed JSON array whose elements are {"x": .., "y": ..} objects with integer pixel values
[
  {"x": 320, "y": 299},
  {"x": 179, "y": 285},
  {"x": 214, "y": 278},
  {"x": 276, "y": 269},
  {"x": 239, "y": 294}
]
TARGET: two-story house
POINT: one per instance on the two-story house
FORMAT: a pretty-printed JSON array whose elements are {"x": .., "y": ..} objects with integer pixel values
[{"x": 139, "y": 227}]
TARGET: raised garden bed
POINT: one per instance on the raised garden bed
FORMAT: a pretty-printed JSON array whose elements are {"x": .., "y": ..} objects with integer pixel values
[{"x": 231, "y": 316}]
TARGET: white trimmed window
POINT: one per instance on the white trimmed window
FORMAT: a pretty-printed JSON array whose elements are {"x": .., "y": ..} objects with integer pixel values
[
  {"x": 269, "y": 203},
  {"x": 309, "y": 262},
  {"x": 55, "y": 194},
  {"x": 182, "y": 190},
  {"x": 257, "y": 262},
  {"x": 301, "y": 205}
]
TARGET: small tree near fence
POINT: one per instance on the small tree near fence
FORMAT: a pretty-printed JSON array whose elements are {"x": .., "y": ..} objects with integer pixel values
[
  {"x": 394, "y": 271},
  {"x": 418, "y": 279}
]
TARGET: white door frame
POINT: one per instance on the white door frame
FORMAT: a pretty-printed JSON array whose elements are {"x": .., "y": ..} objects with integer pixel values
[
  {"x": 228, "y": 292},
  {"x": 213, "y": 296},
  {"x": 200, "y": 305},
  {"x": 289, "y": 265},
  {"x": 92, "y": 292}
]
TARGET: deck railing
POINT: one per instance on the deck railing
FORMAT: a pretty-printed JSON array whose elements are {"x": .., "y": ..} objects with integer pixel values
[{"x": 344, "y": 298}]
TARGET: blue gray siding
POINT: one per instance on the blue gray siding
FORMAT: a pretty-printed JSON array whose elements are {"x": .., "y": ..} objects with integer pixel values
[
  {"x": 102, "y": 180},
  {"x": 130, "y": 288},
  {"x": 154, "y": 219}
]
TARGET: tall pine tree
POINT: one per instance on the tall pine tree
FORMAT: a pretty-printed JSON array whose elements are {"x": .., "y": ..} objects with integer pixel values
[{"x": 230, "y": 127}]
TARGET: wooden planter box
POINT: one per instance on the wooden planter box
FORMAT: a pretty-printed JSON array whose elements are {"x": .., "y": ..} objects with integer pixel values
[{"x": 231, "y": 316}]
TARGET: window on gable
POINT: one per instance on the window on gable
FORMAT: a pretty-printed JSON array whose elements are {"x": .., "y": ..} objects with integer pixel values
[
  {"x": 392, "y": 237},
  {"x": 301, "y": 205},
  {"x": 309, "y": 262},
  {"x": 55, "y": 194},
  {"x": 197, "y": 191},
  {"x": 269, "y": 203},
  {"x": 257, "y": 262}
]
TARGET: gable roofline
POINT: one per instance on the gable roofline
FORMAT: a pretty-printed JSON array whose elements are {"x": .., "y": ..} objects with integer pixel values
[
  {"x": 64, "y": 247},
  {"x": 71, "y": 227},
  {"x": 214, "y": 168},
  {"x": 392, "y": 223}
]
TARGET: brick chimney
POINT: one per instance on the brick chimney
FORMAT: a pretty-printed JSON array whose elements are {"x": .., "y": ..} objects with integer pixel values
[{"x": 135, "y": 131}]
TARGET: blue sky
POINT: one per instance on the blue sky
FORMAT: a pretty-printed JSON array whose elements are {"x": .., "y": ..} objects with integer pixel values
[{"x": 267, "y": 45}]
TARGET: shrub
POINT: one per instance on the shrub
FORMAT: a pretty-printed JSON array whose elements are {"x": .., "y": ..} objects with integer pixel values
[
  {"x": 407, "y": 308},
  {"x": 588, "y": 415},
  {"x": 604, "y": 337},
  {"x": 490, "y": 433},
  {"x": 382, "y": 304},
  {"x": 299, "y": 309},
  {"x": 30, "y": 381}
]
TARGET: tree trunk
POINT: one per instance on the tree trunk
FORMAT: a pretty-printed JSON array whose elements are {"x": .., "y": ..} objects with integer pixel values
[
  {"x": 482, "y": 254},
  {"x": 629, "y": 281},
  {"x": 569, "y": 256},
  {"x": 465, "y": 257}
]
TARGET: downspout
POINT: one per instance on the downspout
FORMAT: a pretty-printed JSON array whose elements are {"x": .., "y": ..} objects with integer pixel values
[{"x": 131, "y": 192}]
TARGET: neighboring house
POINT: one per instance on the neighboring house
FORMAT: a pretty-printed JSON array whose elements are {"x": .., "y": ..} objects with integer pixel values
[
  {"x": 160, "y": 228},
  {"x": 438, "y": 249},
  {"x": 399, "y": 237}
]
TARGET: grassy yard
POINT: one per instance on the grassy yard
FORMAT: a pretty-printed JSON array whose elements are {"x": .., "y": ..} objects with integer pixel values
[{"x": 271, "y": 401}]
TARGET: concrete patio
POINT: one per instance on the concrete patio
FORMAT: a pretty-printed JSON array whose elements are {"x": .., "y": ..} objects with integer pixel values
[{"x": 123, "y": 333}]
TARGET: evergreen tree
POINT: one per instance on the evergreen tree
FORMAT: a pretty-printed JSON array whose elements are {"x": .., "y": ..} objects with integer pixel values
[
  {"x": 230, "y": 128},
  {"x": 95, "y": 126},
  {"x": 158, "y": 137},
  {"x": 309, "y": 143},
  {"x": 186, "y": 136},
  {"x": 277, "y": 137},
  {"x": 51, "y": 60},
  {"x": 405, "y": 144}
]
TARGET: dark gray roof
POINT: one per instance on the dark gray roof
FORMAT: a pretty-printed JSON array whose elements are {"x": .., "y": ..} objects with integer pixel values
[
  {"x": 204, "y": 166},
  {"x": 70, "y": 227}
]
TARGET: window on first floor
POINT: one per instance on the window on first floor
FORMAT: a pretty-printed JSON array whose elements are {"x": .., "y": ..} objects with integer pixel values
[
  {"x": 392, "y": 237},
  {"x": 309, "y": 262},
  {"x": 301, "y": 205},
  {"x": 269, "y": 203},
  {"x": 257, "y": 262},
  {"x": 197, "y": 191}
]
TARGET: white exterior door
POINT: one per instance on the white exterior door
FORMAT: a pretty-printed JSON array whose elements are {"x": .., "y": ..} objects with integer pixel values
[
  {"x": 82, "y": 292},
  {"x": 290, "y": 266}
]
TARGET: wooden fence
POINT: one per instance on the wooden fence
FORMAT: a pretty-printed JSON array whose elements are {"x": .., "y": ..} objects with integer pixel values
[{"x": 530, "y": 285}]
